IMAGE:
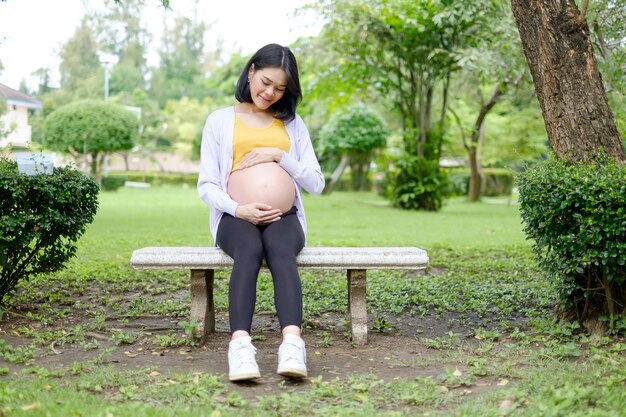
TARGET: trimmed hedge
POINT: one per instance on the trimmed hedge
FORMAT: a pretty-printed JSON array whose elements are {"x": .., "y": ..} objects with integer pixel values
[
  {"x": 498, "y": 181},
  {"x": 576, "y": 214},
  {"x": 112, "y": 183},
  {"x": 41, "y": 219},
  {"x": 155, "y": 178}
]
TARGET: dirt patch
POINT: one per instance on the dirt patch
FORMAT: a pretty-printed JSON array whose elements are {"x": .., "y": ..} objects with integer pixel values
[{"x": 388, "y": 355}]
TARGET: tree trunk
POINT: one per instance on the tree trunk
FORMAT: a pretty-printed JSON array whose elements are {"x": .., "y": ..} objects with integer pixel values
[
  {"x": 473, "y": 149},
  {"x": 579, "y": 122},
  {"x": 476, "y": 178},
  {"x": 555, "y": 38},
  {"x": 96, "y": 164},
  {"x": 336, "y": 175}
]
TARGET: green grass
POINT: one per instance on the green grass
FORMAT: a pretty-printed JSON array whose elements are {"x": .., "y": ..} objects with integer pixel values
[
  {"x": 133, "y": 218},
  {"x": 483, "y": 283}
]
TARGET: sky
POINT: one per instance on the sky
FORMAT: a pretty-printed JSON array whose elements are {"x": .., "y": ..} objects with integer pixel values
[{"x": 32, "y": 32}]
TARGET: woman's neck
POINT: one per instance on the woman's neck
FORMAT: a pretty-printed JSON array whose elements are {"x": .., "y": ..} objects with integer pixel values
[{"x": 251, "y": 109}]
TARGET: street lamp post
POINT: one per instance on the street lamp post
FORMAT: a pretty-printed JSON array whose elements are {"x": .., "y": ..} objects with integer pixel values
[{"x": 106, "y": 80}]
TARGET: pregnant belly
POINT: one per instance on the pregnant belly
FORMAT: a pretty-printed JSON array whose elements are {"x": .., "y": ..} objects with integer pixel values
[{"x": 264, "y": 183}]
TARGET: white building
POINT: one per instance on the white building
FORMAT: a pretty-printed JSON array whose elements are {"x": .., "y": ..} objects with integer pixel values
[{"x": 16, "y": 116}]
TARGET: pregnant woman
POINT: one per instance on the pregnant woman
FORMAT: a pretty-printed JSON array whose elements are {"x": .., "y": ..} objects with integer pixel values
[{"x": 255, "y": 158}]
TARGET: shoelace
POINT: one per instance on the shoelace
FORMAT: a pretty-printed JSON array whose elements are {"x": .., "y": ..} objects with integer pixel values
[
  {"x": 292, "y": 351},
  {"x": 245, "y": 354}
]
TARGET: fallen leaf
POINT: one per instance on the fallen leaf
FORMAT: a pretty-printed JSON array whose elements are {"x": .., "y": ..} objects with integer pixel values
[
  {"x": 130, "y": 354},
  {"x": 503, "y": 382},
  {"x": 505, "y": 406},
  {"x": 155, "y": 373},
  {"x": 457, "y": 373},
  {"x": 33, "y": 406}
]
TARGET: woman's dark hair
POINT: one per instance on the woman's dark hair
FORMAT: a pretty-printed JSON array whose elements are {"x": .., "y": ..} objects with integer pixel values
[{"x": 274, "y": 56}]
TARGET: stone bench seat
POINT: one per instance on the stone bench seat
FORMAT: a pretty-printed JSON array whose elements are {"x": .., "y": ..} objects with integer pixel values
[{"x": 203, "y": 261}]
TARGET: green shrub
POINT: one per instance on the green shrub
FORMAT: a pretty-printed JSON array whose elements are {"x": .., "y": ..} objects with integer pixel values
[
  {"x": 354, "y": 132},
  {"x": 576, "y": 215},
  {"x": 497, "y": 181},
  {"x": 41, "y": 218},
  {"x": 415, "y": 183},
  {"x": 112, "y": 183},
  {"x": 458, "y": 182},
  {"x": 157, "y": 178}
]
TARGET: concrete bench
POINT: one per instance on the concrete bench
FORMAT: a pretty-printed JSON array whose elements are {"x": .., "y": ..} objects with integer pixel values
[{"x": 203, "y": 261}]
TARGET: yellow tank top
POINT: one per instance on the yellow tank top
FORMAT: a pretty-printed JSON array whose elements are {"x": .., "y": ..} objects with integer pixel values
[{"x": 246, "y": 138}]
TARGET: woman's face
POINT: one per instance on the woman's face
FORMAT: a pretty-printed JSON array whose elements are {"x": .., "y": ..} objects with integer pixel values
[{"x": 267, "y": 86}]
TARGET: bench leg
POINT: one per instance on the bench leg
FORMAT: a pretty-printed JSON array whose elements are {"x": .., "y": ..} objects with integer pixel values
[
  {"x": 357, "y": 305},
  {"x": 202, "y": 307}
]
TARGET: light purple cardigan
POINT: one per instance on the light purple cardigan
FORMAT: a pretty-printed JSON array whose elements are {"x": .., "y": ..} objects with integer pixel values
[{"x": 216, "y": 157}]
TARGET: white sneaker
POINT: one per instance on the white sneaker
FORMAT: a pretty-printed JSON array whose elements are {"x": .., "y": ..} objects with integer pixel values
[
  {"x": 292, "y": 357},
  {"x": 242, "y": 364}
]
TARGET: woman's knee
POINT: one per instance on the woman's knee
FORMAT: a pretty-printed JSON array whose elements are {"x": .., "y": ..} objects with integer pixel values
[
  {"x": 250, "y": 249},
  {"x": 287, "y": 245}
]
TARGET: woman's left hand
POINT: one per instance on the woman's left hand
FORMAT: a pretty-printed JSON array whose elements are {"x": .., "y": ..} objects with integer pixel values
[{"x": 261, "y": 155}]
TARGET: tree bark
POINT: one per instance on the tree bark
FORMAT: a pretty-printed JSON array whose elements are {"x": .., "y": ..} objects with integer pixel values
[
  {"x": 476, "y": 177},
  {"x": 555, "y": 38},
  {"x": 336, "y": 175}
]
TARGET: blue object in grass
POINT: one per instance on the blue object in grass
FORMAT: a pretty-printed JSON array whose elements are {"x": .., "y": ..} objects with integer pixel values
[{"x": 34, "y": 164}]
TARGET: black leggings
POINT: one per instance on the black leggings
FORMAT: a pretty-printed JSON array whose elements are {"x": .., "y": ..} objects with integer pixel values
[{"x": 279, "y": 242}]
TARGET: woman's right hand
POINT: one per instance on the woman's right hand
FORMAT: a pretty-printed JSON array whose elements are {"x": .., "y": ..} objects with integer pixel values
[{"x": 257, "y": 213}]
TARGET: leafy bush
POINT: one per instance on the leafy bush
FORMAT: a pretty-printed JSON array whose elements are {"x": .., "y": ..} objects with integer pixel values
[
  {"x": 498, "y": 181},
  {"x": 354, "y": 133},
  {"x": 41, "y": 218},
  {"x": 576, "y": 215},
  {"x": 415, "y": 183},
  {"x": 112, "y": 183},
  {"x": 156, "y": 178},
  {"x": 358, "y": 128}
]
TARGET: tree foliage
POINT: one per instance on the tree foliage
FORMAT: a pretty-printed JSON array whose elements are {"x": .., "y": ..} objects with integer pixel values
[
  {"x": 90, "y": 127},
  {"x": 184, "y": 119},
  {"x": 358, "y": 128},
  {"x": 182, "y": 69},
  {"x": 405, "y": 51},
  {"x": 353, "y": 135},
  {"x": 402, "y": 49},
  {"x": 491, "y": 71},
  {"x": 4, "y": 129},
  {"x": 80, "y": 68},
  {"x": 122, "y": 34},
  {"x": 608, "y": 30}
]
